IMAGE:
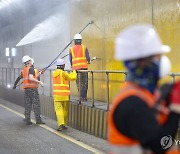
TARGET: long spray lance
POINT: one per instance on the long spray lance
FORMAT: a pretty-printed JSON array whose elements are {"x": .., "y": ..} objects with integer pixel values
[{"x": 44, "y": 69}]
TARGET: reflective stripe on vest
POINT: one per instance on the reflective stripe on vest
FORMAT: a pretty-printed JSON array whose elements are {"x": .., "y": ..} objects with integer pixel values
[
  {"x": 79, "y": 60},
  {"x": 60, "y": 85},
  {"x": 114, "y": 136},
  {"x": 26, "y": 82}
]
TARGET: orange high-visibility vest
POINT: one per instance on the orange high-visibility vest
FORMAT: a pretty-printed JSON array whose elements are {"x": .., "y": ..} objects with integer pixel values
[
  {"x": 60, "y": 85},
  {"x": 79, "y": 60},
  {"x": 114, "y": 136},
  {"x": 26, "y": 82}
]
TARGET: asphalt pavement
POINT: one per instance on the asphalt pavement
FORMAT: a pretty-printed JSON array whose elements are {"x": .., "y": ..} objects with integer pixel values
[{"x": 18, "y": 138}]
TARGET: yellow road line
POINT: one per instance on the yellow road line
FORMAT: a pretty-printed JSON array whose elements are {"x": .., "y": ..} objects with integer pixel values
[{"x": 85, "y": 146}]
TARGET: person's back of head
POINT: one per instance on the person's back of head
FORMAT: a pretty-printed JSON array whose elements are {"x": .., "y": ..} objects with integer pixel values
[
  {"x": 77, "y": 39},
  {"x": 60, "y": 63},
  {"x": 27, "y": 60},
  {"x": 32, "y": 60},
  {"x": 138, "y": 41},
  {"x": 141, "y": 50}
]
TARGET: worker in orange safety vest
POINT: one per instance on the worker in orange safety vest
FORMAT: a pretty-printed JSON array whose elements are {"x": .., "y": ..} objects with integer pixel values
[
  {"x": 79, "y": 60},
  {"x": 30, "y": 86},
  {"x": 143, "y": 118},
  {"x": 61, "y": 93}
]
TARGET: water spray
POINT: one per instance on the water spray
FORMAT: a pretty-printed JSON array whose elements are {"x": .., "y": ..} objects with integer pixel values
[{"x": 44, "y": 69}]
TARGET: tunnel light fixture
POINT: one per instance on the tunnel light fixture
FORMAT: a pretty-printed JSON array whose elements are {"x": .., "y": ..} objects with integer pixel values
[
  {"x": 13, "y": 52},
  {"x": 7, "y": 52}
]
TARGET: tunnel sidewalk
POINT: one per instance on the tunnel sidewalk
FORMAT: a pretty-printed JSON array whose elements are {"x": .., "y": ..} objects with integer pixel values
[{"x": 90, "y": 140}]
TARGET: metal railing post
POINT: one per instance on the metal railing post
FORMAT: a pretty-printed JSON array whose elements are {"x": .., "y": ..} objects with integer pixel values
[
  {"x": 14, "y": 75},
  {"x": 79, "y": 79},
  {"x": 3, "y": 76},
  {"x": 173, "y": 77},
  {"x": 92, "y": 82},
  {"x": 107, "y": 92},
  {"x": 50, "y": 85},
  {"x": 43, "y": 86},
  {"x": 125, "y": 73},
  {"x": 6, "y": 77}
]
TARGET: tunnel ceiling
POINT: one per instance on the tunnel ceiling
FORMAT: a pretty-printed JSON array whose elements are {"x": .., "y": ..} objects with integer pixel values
[{"x": 18, "y": 10}]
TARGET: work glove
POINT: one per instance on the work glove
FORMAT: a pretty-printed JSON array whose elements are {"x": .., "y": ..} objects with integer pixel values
[
  {"x": 175, "y": 98},
  {"x": 41, "y": 72},
  {"x": 41, "y": 83},
  {"x": 165, "y": 91}
]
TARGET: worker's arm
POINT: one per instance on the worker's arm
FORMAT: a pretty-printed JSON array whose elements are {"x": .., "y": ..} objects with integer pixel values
[
  {"x": 87, "y": 56},
  {"x": 17, "y": 80},
  {"x": 70, "y": 58},
  {"x": 31, "y": 76},
  {"x": 134, "y": 119},
  {"x": 70, "y": 76}
]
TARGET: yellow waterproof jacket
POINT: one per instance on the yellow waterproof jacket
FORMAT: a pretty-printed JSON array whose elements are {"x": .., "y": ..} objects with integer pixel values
[{"x": 66, "y": 77}]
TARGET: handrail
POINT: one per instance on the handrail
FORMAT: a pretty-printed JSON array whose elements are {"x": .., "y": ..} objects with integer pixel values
[{"x": 8, "y": 74}]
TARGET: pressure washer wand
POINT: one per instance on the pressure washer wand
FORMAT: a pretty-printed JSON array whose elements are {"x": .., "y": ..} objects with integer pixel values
[{"x": 44, "y": 69}]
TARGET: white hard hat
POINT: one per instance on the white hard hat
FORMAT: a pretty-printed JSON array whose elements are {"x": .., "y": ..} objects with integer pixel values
[
  {"x": 77, "y": 37},
  {"x": 32, "y": 61},
  {"x": 60, "y": 62},
  {"x": 138, "y": 41},
  {"x": 26, "y": 58}
]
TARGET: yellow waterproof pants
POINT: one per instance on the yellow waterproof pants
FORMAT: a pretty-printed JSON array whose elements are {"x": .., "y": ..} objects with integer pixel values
[{"x": 61, "y": 109}]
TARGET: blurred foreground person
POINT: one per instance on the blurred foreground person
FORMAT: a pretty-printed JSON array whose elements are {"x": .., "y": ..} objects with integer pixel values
[
  {"x": 61, "y": 93},
  {"x": 144, "y": 118}
]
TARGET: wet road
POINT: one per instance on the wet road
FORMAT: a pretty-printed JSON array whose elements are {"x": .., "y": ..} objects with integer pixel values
[{"x": 18, "y": 138}]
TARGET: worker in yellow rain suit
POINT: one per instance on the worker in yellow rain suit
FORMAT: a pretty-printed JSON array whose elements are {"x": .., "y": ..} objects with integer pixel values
[{"x": 61, "y": 93}]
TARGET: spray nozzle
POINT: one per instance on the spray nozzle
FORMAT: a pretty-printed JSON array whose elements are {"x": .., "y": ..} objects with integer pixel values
[
  {"x": 94, "y": 58},
  {"x": 91, "y": 22}
]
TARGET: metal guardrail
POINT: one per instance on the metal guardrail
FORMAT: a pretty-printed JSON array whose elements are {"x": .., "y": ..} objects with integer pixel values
[{"x": 9, "y": 75}]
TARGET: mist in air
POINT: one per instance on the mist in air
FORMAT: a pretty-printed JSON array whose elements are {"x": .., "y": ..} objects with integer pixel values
[{"x": 48, "y": 29}]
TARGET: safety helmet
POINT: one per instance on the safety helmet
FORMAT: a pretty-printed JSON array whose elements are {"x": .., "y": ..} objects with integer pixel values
[
  {"x": 77, "y": 37},
  {"x": 26, "y": 58},
  {"x": 60, "y": 62},
  {"x": 138, "y": 41}
]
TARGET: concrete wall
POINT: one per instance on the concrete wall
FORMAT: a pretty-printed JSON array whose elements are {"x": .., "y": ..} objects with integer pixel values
[{"x": 69, "y": 17}]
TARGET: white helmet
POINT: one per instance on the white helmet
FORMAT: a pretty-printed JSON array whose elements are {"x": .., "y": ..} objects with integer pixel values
[
  {"x": 60, "y": 62},
  {"x": 77, "y": 37},
  {"x": 26, "y": 58},
  {"x": 138, "y": 41}
]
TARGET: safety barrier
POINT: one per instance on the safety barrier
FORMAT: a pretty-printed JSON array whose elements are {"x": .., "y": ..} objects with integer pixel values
[
  {"x": 87, "y": 118},
  {"x": 9, "y": 75}
]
